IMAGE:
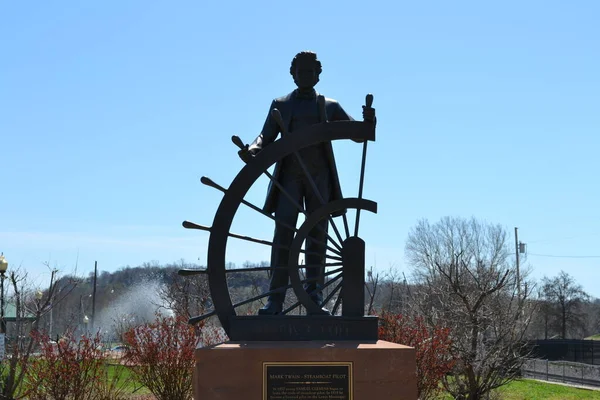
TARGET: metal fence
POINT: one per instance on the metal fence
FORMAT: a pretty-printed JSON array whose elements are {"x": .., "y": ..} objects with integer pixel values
[
  {"x": 579, "y": 351},
  {"x": 562, "y": 371}
]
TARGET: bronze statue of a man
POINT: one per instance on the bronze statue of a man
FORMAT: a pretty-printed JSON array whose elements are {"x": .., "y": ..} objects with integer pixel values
[{"x": 300, "y": 109}]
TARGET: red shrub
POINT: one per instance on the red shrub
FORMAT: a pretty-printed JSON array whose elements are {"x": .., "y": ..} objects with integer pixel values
[
  {"x": 432, "y": 348},
  {"x": 69, "y": 369},
  {"x": 161, "y": 355}
]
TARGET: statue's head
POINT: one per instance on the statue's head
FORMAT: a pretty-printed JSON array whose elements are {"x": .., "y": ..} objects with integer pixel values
[{"x": 306, "y": 69}]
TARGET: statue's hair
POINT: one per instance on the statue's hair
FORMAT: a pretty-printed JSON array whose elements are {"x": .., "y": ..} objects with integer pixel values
[{"x": 306, "y": 56}]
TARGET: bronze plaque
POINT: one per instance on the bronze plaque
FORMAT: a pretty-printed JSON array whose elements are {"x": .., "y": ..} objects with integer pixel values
[{"x": 307, "y": 380}]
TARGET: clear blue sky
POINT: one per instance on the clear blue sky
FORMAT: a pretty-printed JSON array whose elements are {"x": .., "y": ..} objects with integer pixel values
[{"x": 111, "y": 111}]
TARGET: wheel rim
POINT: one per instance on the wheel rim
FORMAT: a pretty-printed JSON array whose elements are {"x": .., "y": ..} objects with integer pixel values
[
  {"x": 231, "y": 201},
  {"x": 314, "y": 218}
]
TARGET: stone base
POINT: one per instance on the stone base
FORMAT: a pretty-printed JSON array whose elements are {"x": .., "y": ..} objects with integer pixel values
[
  {"x": 235, "y": 370},
  {"x": 266, "y": 328}
]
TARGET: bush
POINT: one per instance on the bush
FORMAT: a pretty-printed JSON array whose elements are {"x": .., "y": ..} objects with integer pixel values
[
  {"x": 432, "y": 347},
  {"x": 69, "y": 369},
  {"x": 161, "y": 356},
  {"x": 72, "y": 369}
]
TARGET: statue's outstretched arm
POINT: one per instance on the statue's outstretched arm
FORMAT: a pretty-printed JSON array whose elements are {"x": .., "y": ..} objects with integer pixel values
[{"x": 268, "y": 134}]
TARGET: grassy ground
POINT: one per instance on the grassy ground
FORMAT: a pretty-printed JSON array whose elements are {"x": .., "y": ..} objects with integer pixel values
[
  {"x": 123, "y": 379},
  {"x": 595, "y": 337},
  {"x": 534, "y": 390},
  {"x": 518, "y": 390}
]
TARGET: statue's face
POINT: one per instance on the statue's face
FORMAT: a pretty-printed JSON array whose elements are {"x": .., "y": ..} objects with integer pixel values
[{"x": 305, "y": 76}]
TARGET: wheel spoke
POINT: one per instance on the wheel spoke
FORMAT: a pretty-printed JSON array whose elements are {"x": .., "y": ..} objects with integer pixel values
[
  {"x": 253, "y": 269},
  {"x": 330, "y": 295},
  {"x": 292, "y": 307},
  {"x": 277, "y": 116},
  {"x": 195, "y": 320},
  {"x": 192, "y": 271},
  {"x": 338, "y": 264},
  {"x": 346, "y": 229},
  {"x": 361, "y": 184},
  {"x": 328, "y": 283},
  {"x": 316, "y": 192},
  {"x": 192, "y": 225},
  {"x": 295, "y": 305},
  {"x": 334, "y": 257},
  {"x": 339, "y": 253},
  {"x": 328, "y": 248},
  {"x": 301, "y": 209},
  {"x": 335, "y": 229},
  {"x": 314, "y": 253},
  {"x": 213, "y": 184},
  {"x": 261, "y": 296},
  {"x": 335, "y": 271},
  {"x": 285, "y": 192},
  {"x": 256, "y": 269},
  {"x": 198, "y": 271},
  {"x": 335, "y": 244},
  {"x": 283, "y": 288},
  {"x": 337, "y": 302}
]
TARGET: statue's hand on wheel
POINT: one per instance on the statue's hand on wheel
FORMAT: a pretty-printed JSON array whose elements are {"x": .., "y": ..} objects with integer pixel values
[{"x": 244, "y": 151}]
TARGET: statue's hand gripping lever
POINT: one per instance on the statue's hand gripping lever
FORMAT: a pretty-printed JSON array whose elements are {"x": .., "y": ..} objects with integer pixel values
[
  {"x": 368, "y": 110},
  {"x": 244, "y": 151}
]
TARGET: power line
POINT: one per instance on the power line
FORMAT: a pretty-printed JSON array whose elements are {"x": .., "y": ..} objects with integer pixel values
[
  {"x": 549, "y": 255},
  {"x": 555, "y": 239}
]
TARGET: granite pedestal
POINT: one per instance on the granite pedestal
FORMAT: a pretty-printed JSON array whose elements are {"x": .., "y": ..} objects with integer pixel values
[{"x": 305, "y": 370}]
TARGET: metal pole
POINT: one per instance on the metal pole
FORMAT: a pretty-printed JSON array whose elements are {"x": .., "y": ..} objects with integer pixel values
[
  {"x": 518, "y": 268},
  {"x": 3, "y": 322},
  {"x": 81, "y": 311},
  {"x": 94, "y": 293}
]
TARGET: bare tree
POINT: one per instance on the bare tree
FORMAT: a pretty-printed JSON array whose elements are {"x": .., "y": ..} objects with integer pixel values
[
  {"x": 397, "y": 291},
  {"x": 371, "y": 285},
  {"x": 565, "y": 299},
  {"x": 591, "y": 312},
  {"x": 465, "y": 281},
  {"x": 185, "y": 296},
  {"x": 30, "y": 306}
]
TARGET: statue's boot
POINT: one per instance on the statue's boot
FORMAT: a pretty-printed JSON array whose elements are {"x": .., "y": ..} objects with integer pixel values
[
  {"x": 274, "y": 306},
  {"x": 316, "y": 295}
]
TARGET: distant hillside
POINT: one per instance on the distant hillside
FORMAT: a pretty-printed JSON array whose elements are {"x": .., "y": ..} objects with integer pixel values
[{"x": 133, "y": 294}]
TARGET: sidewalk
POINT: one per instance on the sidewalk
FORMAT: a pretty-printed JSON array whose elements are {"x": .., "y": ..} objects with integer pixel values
[{"x": 565, "y": 384}]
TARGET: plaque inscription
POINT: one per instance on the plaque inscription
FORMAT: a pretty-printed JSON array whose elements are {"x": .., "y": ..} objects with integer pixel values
[{"x": 307, "y": 381}]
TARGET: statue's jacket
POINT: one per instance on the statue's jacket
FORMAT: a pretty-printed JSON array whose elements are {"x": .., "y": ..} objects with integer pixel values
[{"x": 287, "y": 106}]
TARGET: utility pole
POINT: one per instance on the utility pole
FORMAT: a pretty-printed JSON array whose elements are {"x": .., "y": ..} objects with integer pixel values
[
  {"x": 51, "y": 293},
  {"x": 518, "y": 267},
  {"x": 94, "y": 293},
  {"x": 519, "y": 249}
]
